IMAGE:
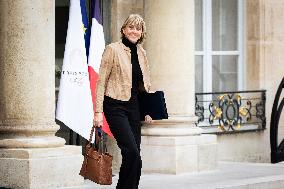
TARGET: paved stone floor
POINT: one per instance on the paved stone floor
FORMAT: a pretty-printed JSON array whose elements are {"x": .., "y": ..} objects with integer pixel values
[{"x": 229, "y": 175}]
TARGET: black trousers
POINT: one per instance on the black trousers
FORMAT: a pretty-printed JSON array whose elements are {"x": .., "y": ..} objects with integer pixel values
[{"x": 124, "y": 122}]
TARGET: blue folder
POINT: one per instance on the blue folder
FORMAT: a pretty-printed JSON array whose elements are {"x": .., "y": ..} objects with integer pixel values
[{"x": 153, "y": 104}]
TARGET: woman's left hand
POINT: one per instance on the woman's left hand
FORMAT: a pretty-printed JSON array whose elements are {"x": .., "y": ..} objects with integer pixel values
[{"x": 148, "y": 119}]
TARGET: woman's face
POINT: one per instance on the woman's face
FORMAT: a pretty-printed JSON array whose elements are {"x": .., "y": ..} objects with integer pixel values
[{"x": 132, "y": 33}]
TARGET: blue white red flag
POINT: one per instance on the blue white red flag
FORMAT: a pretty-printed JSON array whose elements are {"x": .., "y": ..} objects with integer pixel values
[{"x": 97, "y": 45}]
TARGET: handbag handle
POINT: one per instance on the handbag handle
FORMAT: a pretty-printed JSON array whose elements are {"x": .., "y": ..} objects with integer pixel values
[
  {"x": 91, "y": 135},
  {"x": 97, "y": 138},
  {"x": 99, "y": 141}
]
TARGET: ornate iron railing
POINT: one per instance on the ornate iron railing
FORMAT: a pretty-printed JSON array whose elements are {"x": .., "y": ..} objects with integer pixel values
[{"x": 232, "y": 111}]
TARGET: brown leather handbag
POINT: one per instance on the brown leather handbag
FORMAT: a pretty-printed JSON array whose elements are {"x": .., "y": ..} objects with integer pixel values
[{"x": 97, "y": 165}]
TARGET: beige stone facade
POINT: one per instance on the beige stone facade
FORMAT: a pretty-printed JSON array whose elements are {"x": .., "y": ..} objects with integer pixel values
[
  {"x": 264, "y": 42},
  {"x": 27, "y": 101}
]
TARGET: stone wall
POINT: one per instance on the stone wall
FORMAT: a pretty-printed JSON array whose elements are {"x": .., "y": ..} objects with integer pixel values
[
  {"x": 243, "y": 147},
  {"x": 265, "y": 57},
  {"x": 265, "y": 36},
  {"x": 272, "y": 45}
]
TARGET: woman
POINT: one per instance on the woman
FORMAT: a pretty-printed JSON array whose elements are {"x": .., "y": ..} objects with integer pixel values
[{"x": 123, "y": 73}]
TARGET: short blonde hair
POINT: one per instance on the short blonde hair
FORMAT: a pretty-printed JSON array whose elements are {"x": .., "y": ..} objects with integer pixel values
[{"x": 137, "y": 21}]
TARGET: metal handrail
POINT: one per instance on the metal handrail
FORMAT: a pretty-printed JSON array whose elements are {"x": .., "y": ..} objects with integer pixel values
[
  {"x": 223, "y": 92},
  {"x": 277, "y": 151}
]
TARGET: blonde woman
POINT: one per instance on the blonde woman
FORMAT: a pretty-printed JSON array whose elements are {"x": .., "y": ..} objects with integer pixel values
[{"x": 124, "y": 72}]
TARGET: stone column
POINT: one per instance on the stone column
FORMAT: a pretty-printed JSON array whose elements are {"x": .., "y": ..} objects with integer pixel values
[
  {"x": 31, "y": 156},
  {"x": 176, "y": 143},
  {"x": 170, "y": 50}
]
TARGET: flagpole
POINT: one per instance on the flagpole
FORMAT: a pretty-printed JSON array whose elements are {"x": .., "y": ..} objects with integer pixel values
[{"x": 90, "y": 11}]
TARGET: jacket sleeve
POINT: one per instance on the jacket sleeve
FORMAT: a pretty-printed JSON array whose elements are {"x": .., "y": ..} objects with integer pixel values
[{"x": 104, "y": 73}]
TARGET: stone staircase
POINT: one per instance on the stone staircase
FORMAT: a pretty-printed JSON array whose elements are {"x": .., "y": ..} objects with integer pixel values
[{"x": 229, "y": 175}]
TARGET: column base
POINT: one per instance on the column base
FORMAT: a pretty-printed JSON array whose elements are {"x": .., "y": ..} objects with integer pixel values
[
  {"x": 177, "y": 149},
  {"x": 174, "y": 155},
  {"x": 32, "y": 142},
  {"x": 46, "y": 168}
]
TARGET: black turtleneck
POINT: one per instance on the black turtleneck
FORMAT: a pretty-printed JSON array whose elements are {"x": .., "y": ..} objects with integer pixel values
[{"x": 136, "y": 70}]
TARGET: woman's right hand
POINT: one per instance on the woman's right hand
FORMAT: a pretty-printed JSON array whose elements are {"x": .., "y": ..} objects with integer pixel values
[{"x": 98, "y": 119}]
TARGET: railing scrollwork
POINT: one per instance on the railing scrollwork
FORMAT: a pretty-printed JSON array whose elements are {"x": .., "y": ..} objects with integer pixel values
[{"x": 229, "y": 111}]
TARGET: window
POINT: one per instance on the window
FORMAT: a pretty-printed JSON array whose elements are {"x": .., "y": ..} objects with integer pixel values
[{"x": 219, "y": 45}]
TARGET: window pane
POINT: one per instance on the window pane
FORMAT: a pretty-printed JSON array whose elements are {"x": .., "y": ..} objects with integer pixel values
[
  {"x": 198, "y": 74},
  {"x": 61, "y": 24},
  {"x": 61, "y": 3},
  {"x": 224, "y": 25},
  {"x": 198, "y": 25},
  {"x": 225, "y": 73}
]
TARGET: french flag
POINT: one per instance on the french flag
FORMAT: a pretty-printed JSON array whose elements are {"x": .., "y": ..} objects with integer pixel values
[{"x": 97, "y": 45}]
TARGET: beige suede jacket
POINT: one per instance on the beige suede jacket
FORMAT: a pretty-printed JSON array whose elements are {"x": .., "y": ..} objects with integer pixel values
[{"x": 115, "y": 75}]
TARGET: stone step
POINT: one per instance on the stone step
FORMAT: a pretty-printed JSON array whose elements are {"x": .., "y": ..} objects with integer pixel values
[{"x": 229, "y": 175}]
